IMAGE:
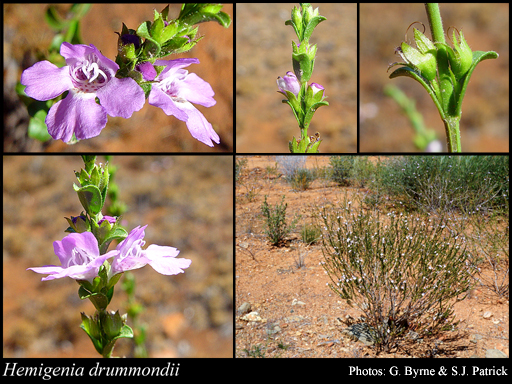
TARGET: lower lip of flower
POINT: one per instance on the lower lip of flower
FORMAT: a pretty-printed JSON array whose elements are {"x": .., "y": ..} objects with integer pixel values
[{"x": 88, "y": 76}]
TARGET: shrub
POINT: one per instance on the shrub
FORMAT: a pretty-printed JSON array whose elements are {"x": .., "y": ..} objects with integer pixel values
[
  {"x": 341, "y": 169},
  {"x": 402, "y": 272},
  {"x": 290, "y": 164},
  {"x": 311, "y": 234},
  {"x": 301, "y": 179},
  {"x": 294, "y": 171},
  {"x": 275, "y": 220},
  {"x": 240, "y": 163},
  {"x": 363, "y": 171},
  {"x": 437, "y": 183}
]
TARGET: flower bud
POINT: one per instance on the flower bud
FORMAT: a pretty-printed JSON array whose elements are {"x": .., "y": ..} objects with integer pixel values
[
  {"x": 424, "y": 63},
  {"x": 91, "y": 327},
  {"x": 288, "y": 83},
  {"x": 78, "y": 224},
  {"x": 461, "y": 57},
  {"x": 317, "y": 92},
  {"x": 112, "y": 324}
]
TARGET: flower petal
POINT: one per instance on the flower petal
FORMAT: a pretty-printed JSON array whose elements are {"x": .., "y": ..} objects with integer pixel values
[
  {"x": 160, "y": 99},
  {"x": 196, "y": 90},
  {"x": 46, "y": 81},
  {"x": 198, "y": 126},
  {"x": 121, "y": 97},
  {"x": 164, "y": 261},
  {"x": 78, "y": 113},
  {"x": 174, "y": 64}
]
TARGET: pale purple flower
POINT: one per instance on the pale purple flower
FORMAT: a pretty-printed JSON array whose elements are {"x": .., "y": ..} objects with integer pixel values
[
  {"x": 147, "y": 70},
  {"x": 288, "y": 83},
  {"x": 132, "y": 256},
  {"x": 110, "y": 219},
  {"x": 87, "y": 75},
  {"x": 80, "y": 258},
  {"x": 174, "y": 91},
  {"x": 316, "y": 88}
]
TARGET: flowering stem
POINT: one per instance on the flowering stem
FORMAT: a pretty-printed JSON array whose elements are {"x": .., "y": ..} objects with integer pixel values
[
  {"x": 451, "y": 121},
  {"x": 451, "y": 125},
  {"x": 435, "y": 21}
]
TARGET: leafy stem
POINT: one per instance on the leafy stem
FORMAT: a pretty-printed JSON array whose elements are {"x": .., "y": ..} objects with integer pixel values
[{"x": 442, "y": 70}]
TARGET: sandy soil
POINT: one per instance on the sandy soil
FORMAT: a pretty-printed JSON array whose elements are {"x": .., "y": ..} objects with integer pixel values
[
  {"x": 268, "y": 278},
  {"x": 187, "y": 202},
  {"x": 148, "y": 129}
]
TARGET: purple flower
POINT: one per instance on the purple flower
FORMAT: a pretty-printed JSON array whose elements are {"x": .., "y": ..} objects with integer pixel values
[
  {"x": 316, "y": 88},
  {"x": 79, "y": 256},
  {"x": 288, "y": 83},
  {"x": 147, "y": 70},
  {"x": 174, "y": 92},
  {"x": 132, "y": 256},
  {"x": 87, "y": 75},
  {"x": 110, "y": 219}
]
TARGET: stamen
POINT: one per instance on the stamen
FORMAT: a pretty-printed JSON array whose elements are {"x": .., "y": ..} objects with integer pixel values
[{"x": 88, "y": 72}]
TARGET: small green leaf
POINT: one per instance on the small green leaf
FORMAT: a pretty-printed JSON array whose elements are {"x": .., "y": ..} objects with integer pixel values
[
  {"x": 308, "y": 31},
  {"x": 90, "y": 197},
  {"x": 117, "y": 234},
  {"x": 37, "y": 128},
  {"x": 478, "y": 56},
  {"x": 157, "y": 29},
  {"x": 314, "y": 147},
  {"x": 126, "y": 331}
]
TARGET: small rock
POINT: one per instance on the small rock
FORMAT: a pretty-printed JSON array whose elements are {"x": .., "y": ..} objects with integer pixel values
[
  {"x": 475, "y": 338},
  {"x": 487, "y": 315},
  {"x": 273, "y": 329},
  {"x": 253, "y": 316},
  {"x": 294, "y": 318},
  {"x": 495, "y": 353},
  {"x": 244, "y": 308},
  {"x": 297, "y": 302}
]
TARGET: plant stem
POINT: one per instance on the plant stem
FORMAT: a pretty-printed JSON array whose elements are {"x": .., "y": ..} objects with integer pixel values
[
  {"x": 451, "y": 125},
  {"x": 435, "y": 21}
]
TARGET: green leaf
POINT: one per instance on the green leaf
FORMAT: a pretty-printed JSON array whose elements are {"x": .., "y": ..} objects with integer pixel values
[
  {"x": 157, "y": 29},
  {"x": 478, "y": 56},
  {"x": 117, "y": 234},
  {"x": 165, "y": 12},
  {"x": 314, "y": 147},
  {"x": 170, "y": 31},
  {"x": 90, "y": 327},
  {"x": 412, "y": 73},
  {"x": 37, "y": 128},
  {"x": 126, "y": 331},
  {"x": 304, "y": 64},
  {"x": 311, "y": 111},
  {"x": 90, "y": 197},
  {"x": 308, "y": 31},
  {"x": 193, "y": 13},
  {"x": 223, "y": 19},
  {"x": 99, "y": 300}
]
